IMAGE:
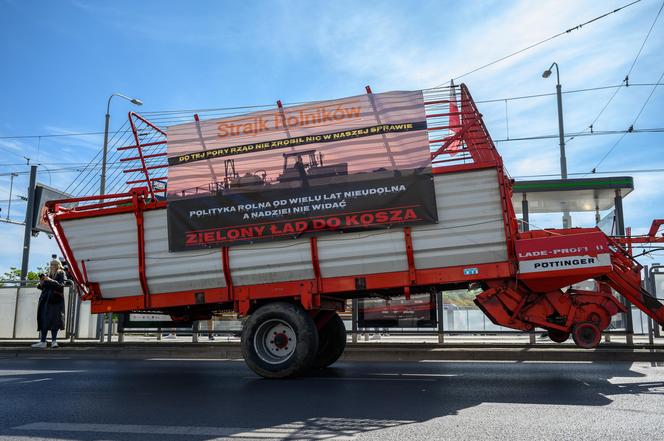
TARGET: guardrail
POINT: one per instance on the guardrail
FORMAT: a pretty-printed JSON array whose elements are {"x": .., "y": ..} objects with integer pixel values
[
  {"x": 18, "y": 312},
  {"x": 18, "y": 320}
]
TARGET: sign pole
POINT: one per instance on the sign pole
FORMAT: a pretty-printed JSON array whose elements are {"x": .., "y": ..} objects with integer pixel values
[{"x": 28, "y": 223}]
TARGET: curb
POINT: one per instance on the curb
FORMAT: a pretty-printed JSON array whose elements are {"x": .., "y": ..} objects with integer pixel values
[{"x": 361, "y": 352}]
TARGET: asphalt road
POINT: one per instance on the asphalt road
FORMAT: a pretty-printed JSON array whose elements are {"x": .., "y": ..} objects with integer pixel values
[{"x": 167, "y": 400}]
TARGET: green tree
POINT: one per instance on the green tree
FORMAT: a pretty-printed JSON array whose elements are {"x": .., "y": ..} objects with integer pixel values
[{"x": 14, "y": 274}]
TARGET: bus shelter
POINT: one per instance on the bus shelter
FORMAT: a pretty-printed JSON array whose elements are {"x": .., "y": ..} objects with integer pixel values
[{"x": 576, "y": 195}]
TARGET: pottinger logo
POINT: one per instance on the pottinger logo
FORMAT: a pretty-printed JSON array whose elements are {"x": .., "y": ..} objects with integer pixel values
[{"x": 315, "y": 116}]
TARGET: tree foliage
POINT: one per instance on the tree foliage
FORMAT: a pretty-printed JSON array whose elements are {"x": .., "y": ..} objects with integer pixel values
[{"x": 14, "y": 275}]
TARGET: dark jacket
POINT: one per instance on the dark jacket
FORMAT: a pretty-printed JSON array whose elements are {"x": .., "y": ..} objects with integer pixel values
[{"x": 51, "y": 309}]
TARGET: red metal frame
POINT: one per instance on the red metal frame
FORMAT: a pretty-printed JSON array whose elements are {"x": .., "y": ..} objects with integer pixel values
[
  {"x": 141, "y": 157},
  {"x": 508, "y": 299},
  {"x": 483, "y": 156}
]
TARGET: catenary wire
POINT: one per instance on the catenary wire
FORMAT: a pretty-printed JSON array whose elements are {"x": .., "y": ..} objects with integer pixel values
[
  {"x": 625, "y": 82},
  {"x": 579, "y": 26}
]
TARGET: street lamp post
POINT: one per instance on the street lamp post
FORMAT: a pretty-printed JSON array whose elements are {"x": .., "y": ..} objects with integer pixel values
[
  {"x": 567, "y": 219},
  {"x": 102, "y": 185}
]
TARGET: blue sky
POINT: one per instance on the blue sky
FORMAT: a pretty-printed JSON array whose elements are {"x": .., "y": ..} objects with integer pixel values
[{"x": 61, "y": 61}]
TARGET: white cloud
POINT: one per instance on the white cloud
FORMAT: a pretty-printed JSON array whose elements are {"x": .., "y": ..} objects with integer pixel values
[{"x": 11, "y": 236}]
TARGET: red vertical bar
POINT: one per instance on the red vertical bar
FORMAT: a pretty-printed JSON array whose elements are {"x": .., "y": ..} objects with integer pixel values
[
  {"x": 140, "y": 154},
  {"x": 412, "y": 273},
  {"x": 313, "y": 241},
  {"x": 138, "y": 212},
  {"x": 226, "y": 268}
]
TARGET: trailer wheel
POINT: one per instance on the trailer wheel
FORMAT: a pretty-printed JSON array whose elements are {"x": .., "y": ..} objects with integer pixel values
[
  {"x": 331, "y": 342},
  {"x": 279, "y": 340},
  {"x": 586, "y": 335},
  {"x": 558, "y": 336}
]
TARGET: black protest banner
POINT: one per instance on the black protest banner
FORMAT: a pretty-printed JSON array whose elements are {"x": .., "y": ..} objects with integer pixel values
[
  {"x": 351, "y": 164},
  {"x": 221, "y": 220}
]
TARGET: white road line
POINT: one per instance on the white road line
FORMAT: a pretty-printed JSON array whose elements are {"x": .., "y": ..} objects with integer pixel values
[
  {"x": 20, "y": 372},
  {"x": 298, "y": 430},
  {"x": 353, "y": 379},
  {"x": 38, "y": 380},
  {"x": 392, "y": 376},
  {"x": 194, "y": 359}
]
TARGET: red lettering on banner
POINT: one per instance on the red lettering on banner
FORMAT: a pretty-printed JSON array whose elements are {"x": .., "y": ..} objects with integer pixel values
[
  {"x": 191, "y": 239},
  {"x": 352, "y": 220},
  {"x": 381, "y": 217},
  {"x": 294, "y": 227},
  {"x": 410, "y": 214}
]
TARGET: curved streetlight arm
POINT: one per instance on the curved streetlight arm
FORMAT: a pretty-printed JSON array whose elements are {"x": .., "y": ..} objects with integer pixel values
[
  {"x": 557, "y": 71},
  {"x": 102, "y": 183},
  {"x": 130, "y": 99}
]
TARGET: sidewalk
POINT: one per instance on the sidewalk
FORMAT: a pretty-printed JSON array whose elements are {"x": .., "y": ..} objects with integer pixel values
[
  {"x": 478, "y": 339},
  {"x": 387, "y": 350}
]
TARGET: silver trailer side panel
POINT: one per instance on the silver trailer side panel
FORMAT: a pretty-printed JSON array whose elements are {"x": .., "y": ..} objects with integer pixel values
[
  {"x": 470, "y": 228},
  {"x": 268, "y": 262},
  {"x": 108, "y": 247},
  {"x": 470, "y": 231},
  {"x": 172, "y": 272}
]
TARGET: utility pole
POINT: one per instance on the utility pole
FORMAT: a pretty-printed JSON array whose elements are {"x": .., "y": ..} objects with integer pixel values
[{"x": 29, "y": 211}]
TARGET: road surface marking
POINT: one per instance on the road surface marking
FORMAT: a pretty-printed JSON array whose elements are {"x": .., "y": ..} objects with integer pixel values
[
  {"x": 38, "y": 380},
  {"x": 352, "y": 379},
  {"x": 194, "y": 359},
  {"x": 19, "y": 372},
  {"x": 414, "y": 375},
  {"x": 297, "y": 430}
]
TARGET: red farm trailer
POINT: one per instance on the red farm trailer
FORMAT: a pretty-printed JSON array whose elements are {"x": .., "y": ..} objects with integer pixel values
[{"x": 290, "y": 291}]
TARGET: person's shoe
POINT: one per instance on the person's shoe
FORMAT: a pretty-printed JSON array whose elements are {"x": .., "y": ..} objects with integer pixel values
[
  {"x": 54, "y": 345},
  {"x": 211, "y": 337},
  {"x": 170, "y": 336},
  {"x": 39, "y": 344}
]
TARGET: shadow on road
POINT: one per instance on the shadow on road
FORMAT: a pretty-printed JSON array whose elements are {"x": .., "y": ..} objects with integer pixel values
[{"x": 226, "y": 399}]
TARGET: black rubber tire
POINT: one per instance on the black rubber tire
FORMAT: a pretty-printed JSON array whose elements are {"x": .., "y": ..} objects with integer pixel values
[
  {"x": 304, "y": 329},
  {"x": 586, "y": 335},
  {"x": 558, "y": 336},
  {"x": 331, "y": 342}
]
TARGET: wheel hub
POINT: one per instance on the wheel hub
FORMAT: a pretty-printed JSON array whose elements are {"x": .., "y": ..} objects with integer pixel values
[{"x": 275, "y": 341}]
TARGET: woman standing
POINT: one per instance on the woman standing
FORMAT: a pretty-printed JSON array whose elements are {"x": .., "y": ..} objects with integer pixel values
[{"x": 51, "y": 309}]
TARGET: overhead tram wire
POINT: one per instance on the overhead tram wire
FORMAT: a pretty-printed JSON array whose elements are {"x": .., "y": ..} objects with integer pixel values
[
  {"x": 631, "y": 127},
  {"x": 595, "y": 133},
  {"x": 625, "y": 82},
  {"x": 581, "y": 174},
  {"x": 92, "y": 185},
  {"x": 115, "y": 164},
  {"x": 80, "y": 181},
  {"x": 564, "y": 92},
  {"x": 90, "y": 165},
  {"x": 186, "y": 114},
  {"x": 181, "y": 116},
  {"x": 568, "y": 31}
]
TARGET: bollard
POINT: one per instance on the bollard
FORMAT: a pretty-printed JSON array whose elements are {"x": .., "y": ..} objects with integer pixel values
[
  {"x": 354, "y": 317},
  {"x": 110, "y": 327}
]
